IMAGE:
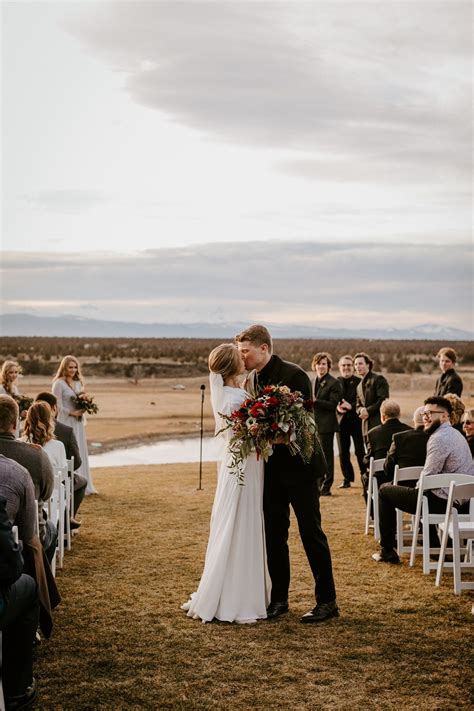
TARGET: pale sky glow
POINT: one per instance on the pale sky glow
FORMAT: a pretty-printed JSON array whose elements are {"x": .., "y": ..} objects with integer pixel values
[{"x": 225, "y": 132}]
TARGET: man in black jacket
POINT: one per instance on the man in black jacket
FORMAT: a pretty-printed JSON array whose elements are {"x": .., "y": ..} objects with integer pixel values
[
  {"x": 380, "y": 437},
  {"x": 350, "y": 424},
  {"x": 327, "y": 394},
  {"x": 371, "y": 392},
  {"x": 288, "y": 480},
  {"x": 19, "y": 615},
  {"x": 449, "y": 381},
  {"x": 408, "y": 449}
]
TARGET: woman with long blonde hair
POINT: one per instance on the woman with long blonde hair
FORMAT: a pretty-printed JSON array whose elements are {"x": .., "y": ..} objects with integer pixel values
[
  {"x": 67, "y": 384},
  {"x": 8, "y": 377}
]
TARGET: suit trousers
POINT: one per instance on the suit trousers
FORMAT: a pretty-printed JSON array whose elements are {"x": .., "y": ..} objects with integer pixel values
[
  {"x": 302, "y": 493},
  {"x": 350, "y": 429},
  {"x": 19, "y": 622},
  {"x": 327, "y": 444}
]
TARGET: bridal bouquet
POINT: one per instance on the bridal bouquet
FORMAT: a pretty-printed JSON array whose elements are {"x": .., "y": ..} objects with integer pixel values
[
  {"x": 277, "y": 416},
  {"x": 85, "y": 402}
]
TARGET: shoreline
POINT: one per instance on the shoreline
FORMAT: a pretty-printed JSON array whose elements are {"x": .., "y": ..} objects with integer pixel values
[{"x": 138, "y": 441}]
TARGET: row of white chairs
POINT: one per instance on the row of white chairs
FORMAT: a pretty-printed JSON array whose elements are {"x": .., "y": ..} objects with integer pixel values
[
  {"x": 60, "y": 509},
  {"x": 458, "y": 527}
]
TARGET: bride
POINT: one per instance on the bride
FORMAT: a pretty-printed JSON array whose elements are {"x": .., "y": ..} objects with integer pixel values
[{"x": 235, "y": 586}]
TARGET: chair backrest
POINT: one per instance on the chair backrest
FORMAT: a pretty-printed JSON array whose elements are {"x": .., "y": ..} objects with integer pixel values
[
  {"x": 460, "y": 492},
  {"x": 443, "y": 481},
  {"x": 376, "y": 465},
  {"x": 70, "y": 465},
  {"x": 15, "y": 533},
  {"x": 406, "y": 474}
]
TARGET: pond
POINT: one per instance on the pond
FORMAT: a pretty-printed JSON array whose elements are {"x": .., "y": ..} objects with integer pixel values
[{"x": 170, "y": 451}]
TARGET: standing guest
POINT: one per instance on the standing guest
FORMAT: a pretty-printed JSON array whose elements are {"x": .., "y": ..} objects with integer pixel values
[
  {"x": 327, "y": 394},
  {"x": 19, "y": 615},
  {"x": 447, "y": 452},
  {"x": 288, "y": 480},
  {"x": 350, "y": 425},
  {"x": 457, "y": 412},
  {"x": 380, "y": 437},
  {"x": 449, "y": 381},
  {"x": 8, "y": 385},
  {"x": 67, "y": 384},
  {"x": 371, "y": 392},
  {"x": 408, "y": 449},
  {"x": 65, "y": 434},
  {"x": 468, "y": 426},
  {"x": 36, "y": 462}
]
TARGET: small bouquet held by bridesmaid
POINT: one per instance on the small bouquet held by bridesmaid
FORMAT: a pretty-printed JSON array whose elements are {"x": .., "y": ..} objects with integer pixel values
[
  {"x": 85, "y": 402},
  {"x": 277, "y": 416},
  {"x": 24, "y": 403}
]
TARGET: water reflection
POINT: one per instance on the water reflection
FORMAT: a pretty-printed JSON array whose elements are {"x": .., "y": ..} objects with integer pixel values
[{"x": 169, "y": 451}]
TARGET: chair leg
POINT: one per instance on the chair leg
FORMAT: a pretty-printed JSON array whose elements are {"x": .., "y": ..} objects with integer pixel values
[
  {"x": 369, "y": 502},
  {"x": 375, "y": 502}
]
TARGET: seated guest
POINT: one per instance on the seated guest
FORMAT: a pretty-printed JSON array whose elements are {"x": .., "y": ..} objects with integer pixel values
[
  {"x": 65, "y": 434},
  {"x": 408, "y": 449},
  {"x": 447, "y": 452},
  {"x": 457, "y": 411},
  {"x": 468, "y": 426},
  {"x": 327, "y": 394},
  {"x": 36, "y": 462},
  {"x": 16, "y": 487},
  {"x": 380, "y": 437},
  {"x": 19, "y": 615},
  {"x": 449, "y": 381}
]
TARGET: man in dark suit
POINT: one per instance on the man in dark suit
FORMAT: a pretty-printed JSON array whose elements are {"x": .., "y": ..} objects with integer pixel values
[
  {"x": 449, "y": 381},
  {"x": 65, "y": 434},
  {"x": 289, "y": 481},
  {"x": 380, "y": 437},
  {"x": 350, "y": 425},
  {"x": 408, "y": 449},
  {"x": 371, "y": 392},
  {"x": 327, "y": 394}
]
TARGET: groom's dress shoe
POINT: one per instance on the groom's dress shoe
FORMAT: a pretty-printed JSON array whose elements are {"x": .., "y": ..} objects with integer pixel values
[
  {"x": 345, "y": 485},
  {"x": 322, "y": 611},
  {"x": 276, "y": 608}
]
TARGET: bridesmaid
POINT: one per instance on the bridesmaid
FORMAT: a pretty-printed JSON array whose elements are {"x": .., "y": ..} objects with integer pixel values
[
  {"x": 67, "y": 383},
  {"x": 8, "y": 376}
]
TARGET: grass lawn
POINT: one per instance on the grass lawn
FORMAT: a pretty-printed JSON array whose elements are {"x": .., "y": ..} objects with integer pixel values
[{"x": 120, "y": 640}]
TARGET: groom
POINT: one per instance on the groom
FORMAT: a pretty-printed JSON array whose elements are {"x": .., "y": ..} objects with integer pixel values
[{"x": 288, "y": 480}]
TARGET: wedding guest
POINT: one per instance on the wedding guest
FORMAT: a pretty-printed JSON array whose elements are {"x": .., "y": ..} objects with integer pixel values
[
  {"x": 371, "y": 392},
  {"x": 19, "y": 616},
  {"x": 8, "y": 384},
  {"x": 65, "y": 434},
  {"x": 449, "y": 381},
  {"x": 380, "y": 437},
  {"x": 36, "y": 462},
  {"x": 468, "y": 426},
  {"x": 350, "y": 425},
  {"x": 327, "y": 394},
  {"x": 67, "y": 384},
  {"x": 447, "y": 453},
  {"x": 16, "y": 486},
  {"x": 408, "y": 449},
  {"x": 457, "y": 412},
  {"x": 288, "y": 480}
]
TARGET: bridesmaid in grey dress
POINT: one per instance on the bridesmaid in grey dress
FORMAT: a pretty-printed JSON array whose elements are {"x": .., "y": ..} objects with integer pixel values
[
  {"x": 68, "y": 382},
  {"x": 8, "y": 377}
]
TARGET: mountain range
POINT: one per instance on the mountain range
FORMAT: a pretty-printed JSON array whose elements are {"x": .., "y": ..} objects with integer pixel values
[{"x": 21, "y": 324}]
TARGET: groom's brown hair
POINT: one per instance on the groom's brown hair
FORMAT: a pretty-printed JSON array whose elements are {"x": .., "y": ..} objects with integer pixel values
[{"x": 257, "y": 335}]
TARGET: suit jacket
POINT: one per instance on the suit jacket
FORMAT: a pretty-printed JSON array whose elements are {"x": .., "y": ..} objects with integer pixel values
[
  {"x": 380, "y": 437},
  {"x": 281, "y": 372},
  {"x": 408, "y": 449},
  {"x": 65, "y": 434},
  {"x": 11, "y": 561},
  {"x": 372, "y": 390},
  {"x": 448, "y": 382},
  {"x": 327, "y": 393},
  {"x": 349, "y": 393}
]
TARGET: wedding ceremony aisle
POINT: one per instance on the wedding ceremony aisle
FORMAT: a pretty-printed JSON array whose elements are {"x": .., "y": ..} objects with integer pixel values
[{"x": 120, "y": 640}]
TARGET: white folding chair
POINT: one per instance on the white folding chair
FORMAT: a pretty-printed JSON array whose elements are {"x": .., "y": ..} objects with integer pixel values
[
  {"x": 405, "y": 530},
  {"x": 70, "y": 473},
  {"x": 56, "y": 510},
  {"x": 375, "y": 465},
  {"x": 423, "y": 516},
  {"x": 15, "y": 533},
  {"x": 460, "y": 532}
]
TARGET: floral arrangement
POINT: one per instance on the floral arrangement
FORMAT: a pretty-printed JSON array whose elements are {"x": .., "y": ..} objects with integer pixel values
[
  {"x": 24, "y": 403},
  {"x": 85, "y": 402},
  {"x": 277, "y": 416}
]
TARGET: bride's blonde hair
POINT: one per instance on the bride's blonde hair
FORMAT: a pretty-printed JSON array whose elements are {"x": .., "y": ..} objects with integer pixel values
[
  {"x": 225, "y": 359},
  {"x": 62, "y": 369}
]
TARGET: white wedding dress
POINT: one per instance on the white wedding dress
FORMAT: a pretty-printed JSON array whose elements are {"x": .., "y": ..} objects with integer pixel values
[{"x": 235, "y": 585}]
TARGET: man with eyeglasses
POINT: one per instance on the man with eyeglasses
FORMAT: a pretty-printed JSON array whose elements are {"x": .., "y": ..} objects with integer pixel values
[{"x": 447, "y": 453}]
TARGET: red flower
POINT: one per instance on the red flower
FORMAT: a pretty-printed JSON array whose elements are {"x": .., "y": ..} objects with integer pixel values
[
  {"x": 274, "y": 426},
  {"x": 267, "y": 389},
  {"x": 257, "y": 409},
  {"x": 272, "y": 400}
]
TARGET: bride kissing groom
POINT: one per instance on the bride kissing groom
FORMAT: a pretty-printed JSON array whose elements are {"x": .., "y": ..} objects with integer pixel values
[{"x": 249, "y": 525}]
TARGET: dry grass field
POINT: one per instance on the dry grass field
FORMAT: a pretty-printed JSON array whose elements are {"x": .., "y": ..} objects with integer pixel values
[{"x": 120, "y": 640}]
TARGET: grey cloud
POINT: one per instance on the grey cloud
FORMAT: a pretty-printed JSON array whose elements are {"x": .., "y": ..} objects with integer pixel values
[
  {"x": 246, "y": 279},
  {"x": 64, "y": 201}
]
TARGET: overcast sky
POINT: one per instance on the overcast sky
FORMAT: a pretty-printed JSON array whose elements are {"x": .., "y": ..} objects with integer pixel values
[{"x": 291, "y": 162}]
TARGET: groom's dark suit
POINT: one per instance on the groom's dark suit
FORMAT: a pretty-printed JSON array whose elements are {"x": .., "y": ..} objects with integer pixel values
[{"x": 288, "y": 480}]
